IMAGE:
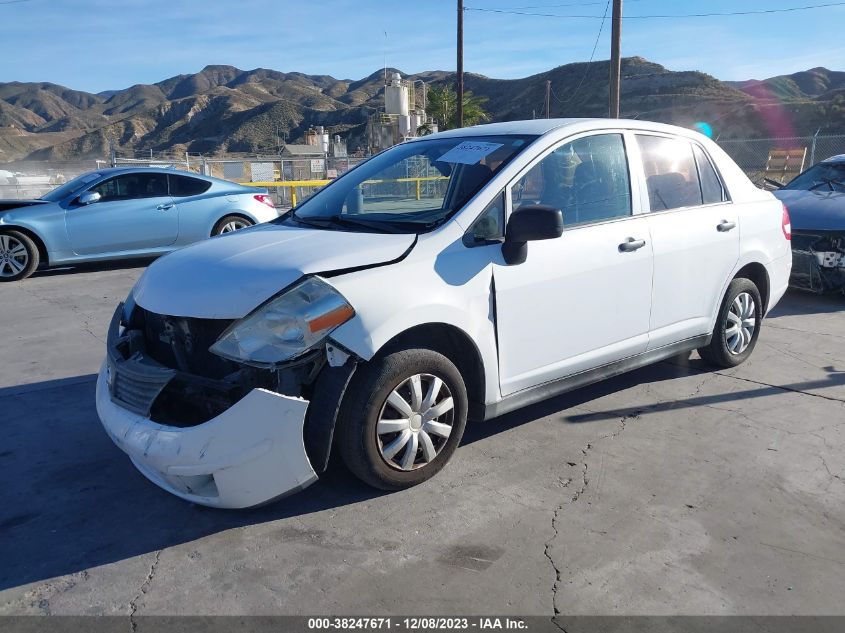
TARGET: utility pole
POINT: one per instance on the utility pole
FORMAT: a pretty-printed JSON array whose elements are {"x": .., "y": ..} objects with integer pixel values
[
  {"x": 548, "y": 98},
  {"x": 460, "y": 104},
  {"x": 615, "y": 58}
]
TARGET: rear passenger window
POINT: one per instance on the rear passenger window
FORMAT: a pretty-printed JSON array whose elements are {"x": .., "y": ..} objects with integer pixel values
[
  {"x": 181, "y": 186},
  {"x": 671, "y": 174},
  {"x": 711, "y": 187}
]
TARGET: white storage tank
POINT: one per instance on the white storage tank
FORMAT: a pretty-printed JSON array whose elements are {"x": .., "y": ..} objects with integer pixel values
[
  {"x": 396, "y": 96},
  {"x": 405, "y": 128}
]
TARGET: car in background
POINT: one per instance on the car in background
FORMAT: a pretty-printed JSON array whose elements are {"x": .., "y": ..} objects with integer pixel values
[
  {"x": 121, "y": 213},
  {"x": 816, "y": 202}
]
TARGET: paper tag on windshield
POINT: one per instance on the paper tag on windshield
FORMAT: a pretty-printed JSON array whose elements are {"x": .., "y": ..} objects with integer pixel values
[{"x": 469, "y": 152}]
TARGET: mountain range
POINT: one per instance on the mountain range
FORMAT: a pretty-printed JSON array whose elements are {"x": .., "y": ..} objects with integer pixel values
[{"x": 223, "y": 109}]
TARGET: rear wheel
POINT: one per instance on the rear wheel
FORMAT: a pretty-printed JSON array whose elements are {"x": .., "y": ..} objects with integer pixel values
[
  {"x": 230, "y": 224},
  {"x": 19, "y": 256},
  {"x": 737, "y": 326},
  {"x": 402, "y": 419}
]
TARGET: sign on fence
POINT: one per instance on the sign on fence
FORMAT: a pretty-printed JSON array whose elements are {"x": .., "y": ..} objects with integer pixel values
[{"x": 261, "y": 172}]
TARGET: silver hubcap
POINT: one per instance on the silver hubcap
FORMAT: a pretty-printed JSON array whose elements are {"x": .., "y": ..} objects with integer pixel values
[
  {"x": 415, "y": 422},
  {"x": 742, "y": 320},
  {"x": 13, "y": 256},
  {"x": 234, "y": 225}
]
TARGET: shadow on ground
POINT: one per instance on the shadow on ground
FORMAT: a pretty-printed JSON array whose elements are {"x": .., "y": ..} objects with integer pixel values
[{"x": 93, "y": 267}]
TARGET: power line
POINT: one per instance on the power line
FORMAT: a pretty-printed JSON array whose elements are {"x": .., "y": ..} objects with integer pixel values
[
  {"x": 589, "y": 63},
  {"x": 648, "y": 17},
  {"x": 556, "y": 6}
]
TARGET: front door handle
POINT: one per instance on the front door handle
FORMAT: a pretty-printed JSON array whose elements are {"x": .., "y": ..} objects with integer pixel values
[
  {"x": 724, "y": 226},
  {"x": 630, "y": 245},
  {"x": 165, "y": 207}
]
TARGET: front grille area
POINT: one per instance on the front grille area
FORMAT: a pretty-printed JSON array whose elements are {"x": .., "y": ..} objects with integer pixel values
[
  {"x": 160, "y": 367},
  {"x": 137, "y": 393}
]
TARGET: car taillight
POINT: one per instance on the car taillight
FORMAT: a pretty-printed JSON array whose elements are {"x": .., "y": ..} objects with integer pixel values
[
  {"x": 786, "y": 224},
  {"x": 263, "y": 197}
]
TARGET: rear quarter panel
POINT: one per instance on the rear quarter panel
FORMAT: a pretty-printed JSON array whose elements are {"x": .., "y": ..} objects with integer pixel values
[
  {"x": 199, "y": 214},
  {"x": 760, "y": 226}
]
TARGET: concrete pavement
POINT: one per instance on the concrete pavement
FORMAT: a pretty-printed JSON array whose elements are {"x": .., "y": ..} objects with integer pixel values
[{"x": 671, "y": 490}]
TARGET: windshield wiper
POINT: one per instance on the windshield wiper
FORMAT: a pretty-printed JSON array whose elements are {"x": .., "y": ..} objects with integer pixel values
[
  {"x": 342, "y": 220},
  {"x": 345, "y": 220},
  {"x": 307, "y": 221}
]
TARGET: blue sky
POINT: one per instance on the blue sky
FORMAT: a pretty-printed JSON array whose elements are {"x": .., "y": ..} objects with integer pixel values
[{"x": 97, "y": 45}]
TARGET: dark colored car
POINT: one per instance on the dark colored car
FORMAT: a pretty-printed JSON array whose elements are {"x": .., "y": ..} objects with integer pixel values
[{"x": 816, "y": 203}]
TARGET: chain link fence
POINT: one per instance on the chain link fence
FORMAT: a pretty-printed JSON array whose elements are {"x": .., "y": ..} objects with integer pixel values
[
  {"x": 757, "y": 156},
  {"x": 32, "y": 179},
  {"x": 259, "y": 169}
]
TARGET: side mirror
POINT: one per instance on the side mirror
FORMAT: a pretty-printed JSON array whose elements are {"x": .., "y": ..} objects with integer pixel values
[
  {"x": 89, "y": 197},
  {"x": 527, "y": 224}
]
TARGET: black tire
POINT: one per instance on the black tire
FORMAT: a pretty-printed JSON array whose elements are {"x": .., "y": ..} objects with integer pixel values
[
  {"x": 356, "y": 435},
  {"x": 718, "y": 352},
  {"x": 221, "y": 226},
  {"x": 12, "y": 259}
]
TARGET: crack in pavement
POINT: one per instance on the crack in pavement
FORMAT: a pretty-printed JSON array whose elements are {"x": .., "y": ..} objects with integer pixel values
[
  {"x": 576, "y": 495},
  {"x": 782, "y": 387},
  {"x": 86, "y": 318},
  {"x": 755, "y": 382},
  {"x": 142, "y": 590},
  {"x": 40, "y": 596}
]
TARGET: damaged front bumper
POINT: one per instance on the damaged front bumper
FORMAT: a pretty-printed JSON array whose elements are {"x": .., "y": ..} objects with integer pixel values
[
  {"x": 248, "y": 455},
  {"x": 818, "y": 261}
]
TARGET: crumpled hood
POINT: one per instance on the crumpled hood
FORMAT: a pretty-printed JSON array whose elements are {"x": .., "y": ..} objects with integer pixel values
[
  {"x": 815, "y": 210},
  {"x": 227, "y": 277},
  {"x": 8, "y": 205}
]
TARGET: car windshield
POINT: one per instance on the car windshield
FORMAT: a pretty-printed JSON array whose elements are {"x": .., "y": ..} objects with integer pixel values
[
  {"x": 821, "y": 177},
  {"x": 70, "y": 187},
  {"x": 410, "y": 188}
]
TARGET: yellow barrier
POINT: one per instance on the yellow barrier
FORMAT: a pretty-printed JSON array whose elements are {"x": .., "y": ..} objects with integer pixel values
[{"x": 293, "y": 184}]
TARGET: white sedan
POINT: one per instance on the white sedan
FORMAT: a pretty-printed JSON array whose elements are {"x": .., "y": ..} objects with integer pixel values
[{"x": 451, "y": 278}]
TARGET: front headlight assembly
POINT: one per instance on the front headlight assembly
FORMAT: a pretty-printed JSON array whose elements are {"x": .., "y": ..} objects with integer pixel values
[{"x": 285, "y": 327}]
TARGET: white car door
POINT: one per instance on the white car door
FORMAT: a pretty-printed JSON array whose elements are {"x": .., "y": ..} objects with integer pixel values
[
  {"x": 582, "y": 300},
  {"x": 695, "y": 235}
]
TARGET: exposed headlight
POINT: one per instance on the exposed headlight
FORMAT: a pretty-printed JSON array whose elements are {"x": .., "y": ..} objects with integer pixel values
[{"x": 286, "y": 326}]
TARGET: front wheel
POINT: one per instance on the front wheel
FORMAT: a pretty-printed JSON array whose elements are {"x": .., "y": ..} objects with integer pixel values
[
  {"x": 402, "y": 419},
  {"x": 230, "y": 224},
  {"x": 737, "y": 326},
  {"x": 19, "y": 256}
]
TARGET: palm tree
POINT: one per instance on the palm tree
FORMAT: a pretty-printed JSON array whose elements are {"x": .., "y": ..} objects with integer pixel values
[
  {"x": 442, "y": 105},
  {"x": 474, "y": 112}
]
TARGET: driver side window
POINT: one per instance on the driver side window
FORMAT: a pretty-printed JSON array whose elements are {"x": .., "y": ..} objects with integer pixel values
[
  {"x": 132, "y": 186},
  {"x": 587, "y": 179}
]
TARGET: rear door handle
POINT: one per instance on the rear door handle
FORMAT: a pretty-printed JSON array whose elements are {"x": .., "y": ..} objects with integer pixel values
[
  {"x": 165, "y": 207},
  {"x": 630, "y": 245},
  {"x": 724, "y": 226}
]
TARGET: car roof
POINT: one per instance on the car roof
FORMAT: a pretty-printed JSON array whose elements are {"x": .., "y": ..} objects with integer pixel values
[
  {"x": 116, "y": 171},
  {"x": 539, "y": 127},
  {"x": 840, "y": 158}
]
